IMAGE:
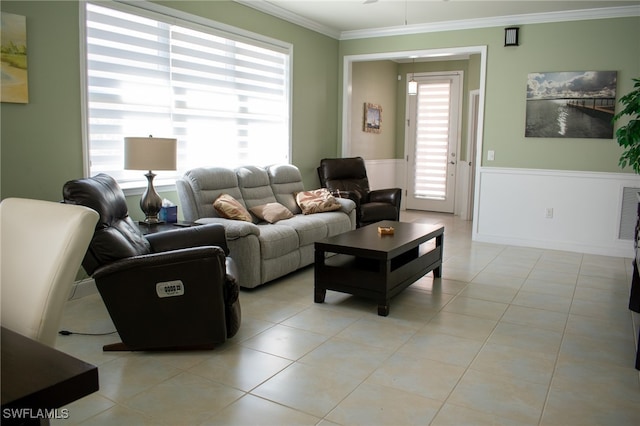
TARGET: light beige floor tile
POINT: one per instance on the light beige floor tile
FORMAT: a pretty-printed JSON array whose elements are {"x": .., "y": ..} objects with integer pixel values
[
  {"x": 347, "y": 357},
  {"x": 555, "y": 277},
  {"x": 240, "y": 367},
  {"x": 287, "y": 342},
  {"x": 382, "y": 332},
  {"x": 455, "y": 415},
  {"x": 538, "y": 318},
  {"x": 120, "y": 415},
  {"x": 460, "y": 325},
  {"x": 509, "y": 268},
  {"x": 445, "y": 348},
  {"x": 602, "y": 329},
  {"x": 83, "y": 409},
  {"x": 547, "y": 287},
  {"x": 578, "y": 348},
  {"x": 516, "y": 363},
  {"x": 570, "y": 407},
  {"x": 322, "y": 321},
  {"x": 558, "y": 266},
  {"x": 308, "y": 389},
  {"x": 490, "y": 292},
  {"x": 371, "y": 405},
  {"x": 428, "y": 378},
  {"x": 598, "y": 380},
  {"x": 183, "y": 399},
  {"x": 603, "y": 310},
  {"x": 527, "y": 338},
  {"x": 126, "y": 377},
  {"x": 500, "y": 396},
  {"x": 543, "y": 301},
  {"x": 476, "y": 308},
  {"x": 499, "y": 280},
  {"x": 615, "y": 285},
  {"x": 251, "y": 410}
]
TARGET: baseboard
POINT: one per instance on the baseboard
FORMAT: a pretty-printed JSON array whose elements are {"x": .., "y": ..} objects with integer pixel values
[{"x": 83, "y": 288}]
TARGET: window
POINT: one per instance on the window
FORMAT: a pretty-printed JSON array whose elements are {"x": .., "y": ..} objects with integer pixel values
[{"x": 224, "y": 96}]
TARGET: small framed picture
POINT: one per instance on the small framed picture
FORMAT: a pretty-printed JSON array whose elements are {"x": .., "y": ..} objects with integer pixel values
[{"x": 372, "y": 118}]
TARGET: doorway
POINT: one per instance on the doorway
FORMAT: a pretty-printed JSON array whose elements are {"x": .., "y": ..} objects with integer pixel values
[
  {"x": 446, "y": 54},
  {"x": 433, "y": 137}
]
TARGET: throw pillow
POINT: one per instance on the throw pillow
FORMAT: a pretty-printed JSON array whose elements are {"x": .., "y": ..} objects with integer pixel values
[
  {"x": 230, "y": 208},
  {"x": 271, "y": 212},
  {"x": 316, "y": 201}
]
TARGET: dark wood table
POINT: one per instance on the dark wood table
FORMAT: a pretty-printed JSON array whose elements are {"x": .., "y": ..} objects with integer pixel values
[
  {"x": 38, "y": 379},
  {"x": 377, "y": 266}
]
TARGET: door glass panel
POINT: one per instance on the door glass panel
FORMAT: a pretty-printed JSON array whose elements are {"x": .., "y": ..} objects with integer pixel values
[{"x": 432, "y": 140}]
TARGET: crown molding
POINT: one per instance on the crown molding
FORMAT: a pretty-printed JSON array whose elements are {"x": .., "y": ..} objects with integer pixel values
[
  {"x": 466, "y": 24},
  {"x": 278, "y": 12},
  {"x": 533, "y": 18}
]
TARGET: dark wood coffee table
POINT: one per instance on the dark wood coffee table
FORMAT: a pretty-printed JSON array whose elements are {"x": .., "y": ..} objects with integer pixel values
[{"x": 377, "y": 266}]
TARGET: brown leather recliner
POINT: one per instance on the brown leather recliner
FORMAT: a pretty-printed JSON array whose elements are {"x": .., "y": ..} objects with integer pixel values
[
  {"x": 168, "y": 290},
  {"x": 347, "y": 178}
]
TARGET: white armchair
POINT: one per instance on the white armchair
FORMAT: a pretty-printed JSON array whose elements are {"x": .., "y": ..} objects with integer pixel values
[{"x": 42, "y": 246}]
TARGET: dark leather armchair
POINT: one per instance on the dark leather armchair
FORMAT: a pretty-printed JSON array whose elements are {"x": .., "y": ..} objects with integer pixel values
[
  {"x": 347, "y": 178},
  {"x": 168, "y": 290}
]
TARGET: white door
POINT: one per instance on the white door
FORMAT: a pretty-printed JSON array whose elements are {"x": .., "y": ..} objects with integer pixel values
[{"x": 433, "y": 120}]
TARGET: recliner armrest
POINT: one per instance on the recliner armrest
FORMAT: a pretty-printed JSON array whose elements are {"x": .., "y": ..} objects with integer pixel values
[
  {"x": 388, "y": 195},
  {"x": 147, "y": 261},
  {"x": 195, "y": 236}
]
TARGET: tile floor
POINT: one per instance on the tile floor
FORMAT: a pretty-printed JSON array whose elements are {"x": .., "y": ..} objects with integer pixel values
[{"x": 508, "y": 336}]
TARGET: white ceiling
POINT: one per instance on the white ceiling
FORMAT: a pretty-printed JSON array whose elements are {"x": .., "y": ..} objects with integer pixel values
[{"x": 361, "y": 18}]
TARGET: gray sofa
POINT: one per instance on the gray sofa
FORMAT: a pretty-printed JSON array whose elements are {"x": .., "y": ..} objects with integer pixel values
[{"x": 262, "y": 251}]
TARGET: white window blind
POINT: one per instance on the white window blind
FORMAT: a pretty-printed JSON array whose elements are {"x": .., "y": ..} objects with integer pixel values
[
  {"x": 432, "y": 143},
  {"x": 224, "y": 98}
]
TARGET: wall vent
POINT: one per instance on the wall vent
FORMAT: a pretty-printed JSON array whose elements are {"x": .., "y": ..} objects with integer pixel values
[{"x": 628, "y": 213}]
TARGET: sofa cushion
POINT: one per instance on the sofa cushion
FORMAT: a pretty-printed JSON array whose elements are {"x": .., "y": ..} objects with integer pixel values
[
  {"x": 254, "y": 186},
  {"x": 271, "y": 212},
  {"x": 230, "y": 208},
  {"x": 286, "y": 180},
  {"x": 277, "y": 240},
  {"x": 200, "y": 187},
  {"x": 309, "y": 228},
  {"x": 316, "y": 201}
]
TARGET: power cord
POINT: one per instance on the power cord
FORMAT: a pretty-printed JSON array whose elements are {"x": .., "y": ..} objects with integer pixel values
[{"x": 69, "y": 333}]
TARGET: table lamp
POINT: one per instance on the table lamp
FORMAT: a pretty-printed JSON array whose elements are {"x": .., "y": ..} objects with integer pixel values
[{"x": 150, "y": 154}]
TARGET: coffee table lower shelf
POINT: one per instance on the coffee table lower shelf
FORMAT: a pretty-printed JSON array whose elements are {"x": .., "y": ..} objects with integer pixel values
[{"x": 375, "y": 278}]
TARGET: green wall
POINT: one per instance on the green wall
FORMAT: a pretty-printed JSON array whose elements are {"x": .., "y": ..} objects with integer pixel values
[
  {"x": 594, "y": 45},
  {"x": 42, "y": 140},
  {"x": 41, "y": 144}
]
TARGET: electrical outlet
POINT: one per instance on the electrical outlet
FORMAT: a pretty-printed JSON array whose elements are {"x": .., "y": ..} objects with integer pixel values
[{"x": 548, "y": 213}]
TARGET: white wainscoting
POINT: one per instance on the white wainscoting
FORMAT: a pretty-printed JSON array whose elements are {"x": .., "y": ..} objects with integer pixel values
[{"x": 512, "y": 203}]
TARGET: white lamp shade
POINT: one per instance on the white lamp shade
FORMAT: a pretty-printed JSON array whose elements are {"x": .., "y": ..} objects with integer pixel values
[
  {"x": 150, "y": 153},
  {"x": 413, "y": 87}
]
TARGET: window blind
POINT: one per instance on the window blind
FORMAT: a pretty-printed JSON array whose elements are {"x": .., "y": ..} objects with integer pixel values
[{"x": 226, "y": 100}]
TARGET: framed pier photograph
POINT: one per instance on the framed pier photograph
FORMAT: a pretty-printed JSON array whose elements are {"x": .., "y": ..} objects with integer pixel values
[{"x": 571, "y": 104}]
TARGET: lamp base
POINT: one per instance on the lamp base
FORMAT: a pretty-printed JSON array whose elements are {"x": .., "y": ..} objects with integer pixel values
[
  {"x": 150, "y": 203},
  {"x": 150, "y": 222}
]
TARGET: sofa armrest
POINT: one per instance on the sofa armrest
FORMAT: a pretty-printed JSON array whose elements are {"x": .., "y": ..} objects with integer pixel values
[
  {"x": 196, "y": 236},
  {"x": 234, "y": 229},
  {"x": 347, "y": 205},
  {"x": 389, "y": 195}
]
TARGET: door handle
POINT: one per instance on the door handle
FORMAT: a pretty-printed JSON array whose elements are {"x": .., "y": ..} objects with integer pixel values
[{"x": 452, "y": 162}]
